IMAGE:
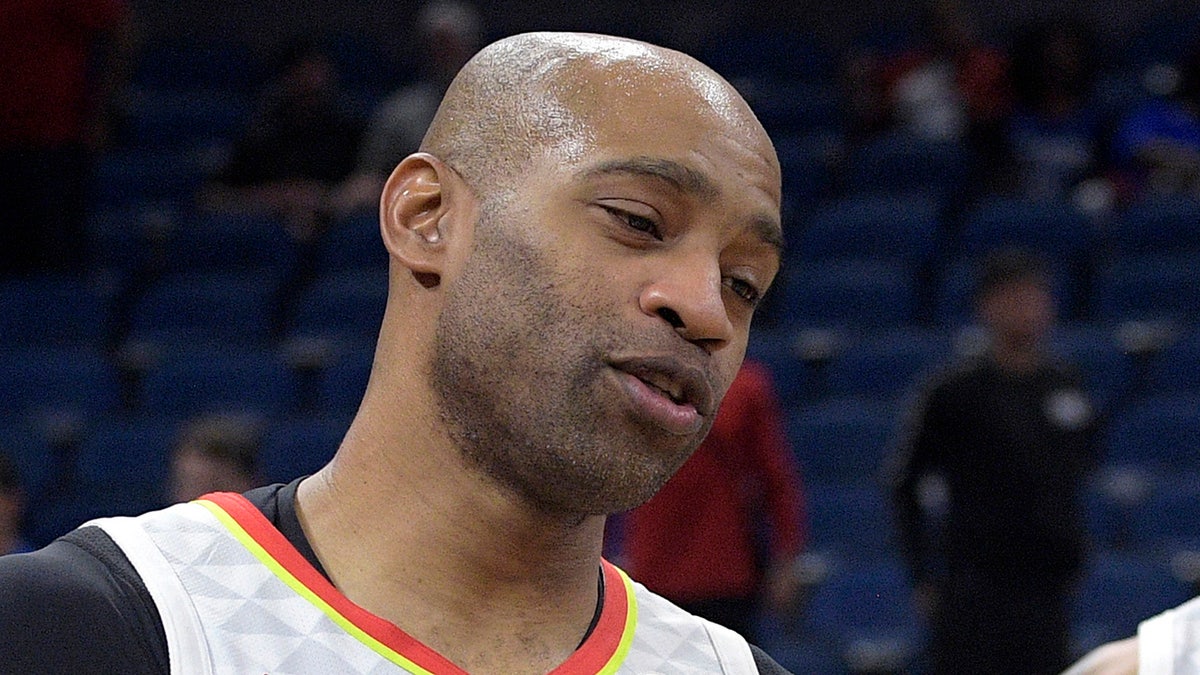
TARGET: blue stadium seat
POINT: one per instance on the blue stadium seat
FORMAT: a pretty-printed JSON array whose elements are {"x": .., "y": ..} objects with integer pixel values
[
  {"x": 900, "y": 227},
  {"x": 795, "y": 106},
  {"x": 346, "y": 306},
  {"x": 850, "y": 523},
  {"x": 183, "y": 120},
  {"x": 139, "y": 176},
  {"x": 126, "y": 461},
  {"x": 53, "y": 310},
  {"x": 1168, "y": 36},
  {"x": 1107, "y": 371},
  {"x": 884, "y": 367},
  {"x": 340, "y": 387},
  {"x": 1054, "y": 228},
  {"x": 1118, "y": 591},
  {"x": 807, "y": 162},
  {"x": 64, "y": 513},
  {"x": 208, "y": 241},
  {"x": 218, "y": 66},
  {"x": 352, "y": 242},
  {"x": 1156, "y": 225},
  {"x": 57, "y": 380},
  {"x": 855, "y": 294},
  {"x": 131, "y": 238},
  {"x": 236, "y": 308},
  {"x": 902, "y": 163},
  {"x": 361, "y": 66},
  {"x": 869, "y": 605},
  {"x": 121, "y": 469},
  {"x": 31, "y": 454},
  {"x": 299, "y": 447},
  {"x": 1169, "y": 519},
  {"x": 1159, "y": 434},
  {"x": 776, "y": 349},
  {"x": 842, "y": 441},
  {"x": 190, "y": 381},
  {"x": 1148, "y": 287},
  {"x": 768, "y": 52},
  {"x": 1115, "y": 92},
  {"x": 1176, "y": 370}
]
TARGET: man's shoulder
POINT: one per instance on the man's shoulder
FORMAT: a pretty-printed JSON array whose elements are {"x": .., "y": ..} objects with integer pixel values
[
  {"x": 77, "y": 602},
  {"x": 67, "y": 570}
]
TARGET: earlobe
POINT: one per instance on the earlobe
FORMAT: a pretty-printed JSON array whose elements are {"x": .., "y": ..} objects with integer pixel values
[{"x": 415, "y": 207}]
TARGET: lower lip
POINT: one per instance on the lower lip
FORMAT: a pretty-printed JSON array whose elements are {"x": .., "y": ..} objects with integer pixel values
[{"x": 671, "y": 416}]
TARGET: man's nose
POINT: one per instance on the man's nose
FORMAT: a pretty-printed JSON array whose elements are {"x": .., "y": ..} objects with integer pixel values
[{"x": 688, "y": 296}]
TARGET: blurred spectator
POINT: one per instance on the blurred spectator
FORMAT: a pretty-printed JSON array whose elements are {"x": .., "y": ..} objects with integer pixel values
[
  {"x": 301, "y": 142},
  {"x": 1158, "y": 143},
  {"x": 448, "y": 33},
  {"x": 950, "y": 86},
  {"x": 1053, "y": 135},
  {"x": 1010, "y": 433},
  {"x": 63, "y": 64},
  {"x": 723, "y": 535},
  {"x": 215, "y": 453},
  {"x": 12, "y": 509}
]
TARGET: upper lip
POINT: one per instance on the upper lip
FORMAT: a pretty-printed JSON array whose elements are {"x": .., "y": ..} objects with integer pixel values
[{"x": 686, "y": 383}]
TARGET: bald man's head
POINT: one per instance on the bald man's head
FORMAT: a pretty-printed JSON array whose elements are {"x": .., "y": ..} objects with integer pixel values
[{"x": 541, "y": 94}]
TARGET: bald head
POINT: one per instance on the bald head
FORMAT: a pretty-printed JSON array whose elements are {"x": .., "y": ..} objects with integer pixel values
[{"x": 542, "y": 94}]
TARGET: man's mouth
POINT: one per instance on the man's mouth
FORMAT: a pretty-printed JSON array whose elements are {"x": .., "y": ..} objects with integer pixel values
[
  {"x": 677, "y": 396},
  {"x": 666, "y": 387}
]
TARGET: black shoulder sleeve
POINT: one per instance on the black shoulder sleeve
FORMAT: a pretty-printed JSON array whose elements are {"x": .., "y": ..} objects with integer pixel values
[
  {"x": 766, "y": 665},
  {"x": 78, "y": 606}
]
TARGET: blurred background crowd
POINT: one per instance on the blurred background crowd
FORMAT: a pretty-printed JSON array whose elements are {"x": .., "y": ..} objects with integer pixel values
[{"x": 191, "y": 276}]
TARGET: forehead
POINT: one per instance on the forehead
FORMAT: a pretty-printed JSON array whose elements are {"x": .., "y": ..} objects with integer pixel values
[{"x": 666, "y": 108}]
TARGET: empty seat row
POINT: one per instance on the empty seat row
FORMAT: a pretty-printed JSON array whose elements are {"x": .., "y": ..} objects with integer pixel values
[
  {"x": 45, "y": 383},
  {"x": 120, "y": 465}
]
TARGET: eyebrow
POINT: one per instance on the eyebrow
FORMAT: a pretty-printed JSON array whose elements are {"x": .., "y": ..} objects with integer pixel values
[
  {"x": 686, "y": 180},
  {"x": 770, "y": 232},
  {"x": 683, "y": 178}
]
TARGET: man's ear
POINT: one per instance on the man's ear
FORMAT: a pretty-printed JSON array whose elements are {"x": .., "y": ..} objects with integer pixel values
[{"x": 418, "y": 203}]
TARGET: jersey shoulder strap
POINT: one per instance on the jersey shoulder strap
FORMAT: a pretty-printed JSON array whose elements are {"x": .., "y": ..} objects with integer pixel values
[
  {"x": 180, "y": 622},
  {"x": 732, "y": 649}
]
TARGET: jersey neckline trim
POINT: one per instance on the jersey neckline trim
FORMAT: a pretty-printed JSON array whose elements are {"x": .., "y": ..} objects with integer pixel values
[{"x": 602, "y": 653}]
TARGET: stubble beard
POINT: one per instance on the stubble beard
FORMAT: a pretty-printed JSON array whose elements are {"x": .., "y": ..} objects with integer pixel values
[{"x": 524, "y": 390}]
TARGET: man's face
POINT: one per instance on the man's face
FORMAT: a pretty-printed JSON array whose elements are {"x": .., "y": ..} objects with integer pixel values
[
  {"x": 605, "y": 309},
  {"x": 195, "y": 473},
  {"x": 1019, "y": 313}
]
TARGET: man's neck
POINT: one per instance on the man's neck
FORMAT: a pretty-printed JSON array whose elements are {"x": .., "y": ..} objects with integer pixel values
[
  {"x": 457, "y": 562},
  {"x": 1018, "y": 359}
]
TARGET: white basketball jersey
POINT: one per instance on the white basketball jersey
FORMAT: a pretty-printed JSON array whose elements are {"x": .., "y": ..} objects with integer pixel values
[{"x": 237, "y": 598}]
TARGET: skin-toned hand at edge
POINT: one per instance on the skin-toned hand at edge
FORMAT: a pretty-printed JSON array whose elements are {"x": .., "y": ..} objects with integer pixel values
[
  {"x": 1114, "y": 658},
  {"x": 588, "y": 226}
]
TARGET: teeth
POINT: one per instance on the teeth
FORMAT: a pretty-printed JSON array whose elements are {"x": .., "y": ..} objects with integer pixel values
[{"x": 668, "y": 389}]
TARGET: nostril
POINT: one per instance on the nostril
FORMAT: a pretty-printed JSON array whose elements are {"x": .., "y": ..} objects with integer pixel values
[{"x": 671, "y": 316}]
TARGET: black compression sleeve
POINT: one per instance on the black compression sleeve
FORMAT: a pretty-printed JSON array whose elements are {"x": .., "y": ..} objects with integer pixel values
[{"x": 77, "y": 606}]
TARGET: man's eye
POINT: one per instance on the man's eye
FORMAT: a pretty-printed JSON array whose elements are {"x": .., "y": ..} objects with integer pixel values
[
  {"x": 636, "y": 222},
  {"x": 744, "y": 290}
]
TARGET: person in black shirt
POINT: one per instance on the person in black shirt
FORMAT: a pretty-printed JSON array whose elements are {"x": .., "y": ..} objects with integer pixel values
[{"x": 1010, "y": 433}]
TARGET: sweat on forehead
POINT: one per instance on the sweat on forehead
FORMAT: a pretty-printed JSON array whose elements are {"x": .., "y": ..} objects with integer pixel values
[{"x": 541, "y": 92}]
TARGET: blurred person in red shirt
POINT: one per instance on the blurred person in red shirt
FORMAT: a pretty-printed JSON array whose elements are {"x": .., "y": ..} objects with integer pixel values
[{"x": 722, "y": 537}]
